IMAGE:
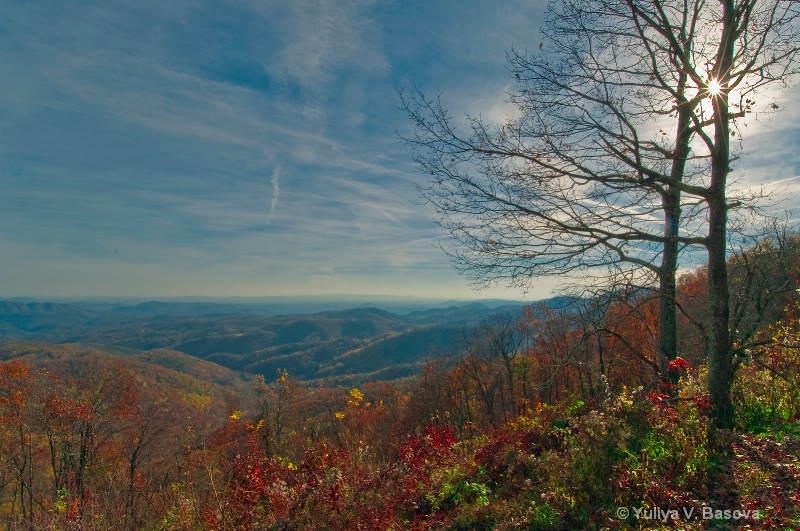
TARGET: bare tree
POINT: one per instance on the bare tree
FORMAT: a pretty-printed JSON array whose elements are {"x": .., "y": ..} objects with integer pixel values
[
  {"x": 502, "y": 338},
  {"x": 762, "y": 281},
  {"x": 619, "y": 153}
]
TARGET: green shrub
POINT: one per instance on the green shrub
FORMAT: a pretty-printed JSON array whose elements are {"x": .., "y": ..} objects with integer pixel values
[{"x": 764, "y": 402}]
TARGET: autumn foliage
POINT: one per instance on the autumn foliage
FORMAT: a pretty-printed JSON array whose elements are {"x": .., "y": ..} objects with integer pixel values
[{"x": 547, "y": 420}]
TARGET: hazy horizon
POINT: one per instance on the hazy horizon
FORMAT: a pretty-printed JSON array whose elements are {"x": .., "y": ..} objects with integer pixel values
[{"x": 255, "y": 300}]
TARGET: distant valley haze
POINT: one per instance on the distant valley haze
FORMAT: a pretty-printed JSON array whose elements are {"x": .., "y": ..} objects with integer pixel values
[{"x": 297, "y": 304}]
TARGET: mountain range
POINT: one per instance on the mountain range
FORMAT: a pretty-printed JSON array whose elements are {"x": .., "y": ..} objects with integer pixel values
[{"x": 343, "y": 346}]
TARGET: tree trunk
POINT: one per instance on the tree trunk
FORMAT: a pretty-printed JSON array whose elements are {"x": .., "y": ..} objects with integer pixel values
[
  {"x": 668, "y": 271},
  {"x": 720, "y": 374},
  {"x": 668, "y": 322},
  {"x": 720, "y": 371}
]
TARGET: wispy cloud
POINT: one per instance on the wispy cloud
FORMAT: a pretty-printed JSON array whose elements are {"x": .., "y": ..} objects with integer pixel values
[
  {"x": 276, "y": 190},
  {"x": 322, "y": 39},
  {"x": 779, "y": 181}
]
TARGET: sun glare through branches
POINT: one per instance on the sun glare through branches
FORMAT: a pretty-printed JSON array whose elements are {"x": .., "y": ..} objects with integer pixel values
[{"x": 714, "y": 88}]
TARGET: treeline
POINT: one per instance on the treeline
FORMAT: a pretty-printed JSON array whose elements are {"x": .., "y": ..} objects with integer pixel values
[{"x": 593, "y": 347}]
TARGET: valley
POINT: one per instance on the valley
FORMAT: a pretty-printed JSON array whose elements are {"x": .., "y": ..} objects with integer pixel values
[{"x": 333, "y": 347}]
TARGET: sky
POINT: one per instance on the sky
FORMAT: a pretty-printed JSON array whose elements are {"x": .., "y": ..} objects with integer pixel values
[{"x": 153, "y": 149}]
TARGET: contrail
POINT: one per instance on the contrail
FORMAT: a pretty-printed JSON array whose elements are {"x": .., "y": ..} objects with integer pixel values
[
  {"x": 782, "y": 181},
  {"x": 276, "y": 190}
]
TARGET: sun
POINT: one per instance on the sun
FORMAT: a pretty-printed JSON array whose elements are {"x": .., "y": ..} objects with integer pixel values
[{"x": 714, "y": 88}]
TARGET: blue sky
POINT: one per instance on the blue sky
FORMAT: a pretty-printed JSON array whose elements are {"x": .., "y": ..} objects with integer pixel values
[{"x": 158, "y": 149}]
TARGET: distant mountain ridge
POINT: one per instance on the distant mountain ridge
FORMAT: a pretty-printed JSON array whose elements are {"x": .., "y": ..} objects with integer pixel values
[{"x": 353, "y": 344}]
